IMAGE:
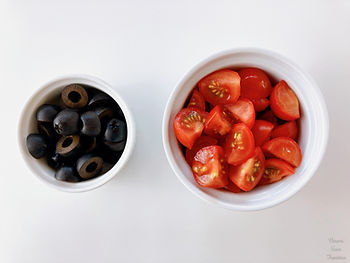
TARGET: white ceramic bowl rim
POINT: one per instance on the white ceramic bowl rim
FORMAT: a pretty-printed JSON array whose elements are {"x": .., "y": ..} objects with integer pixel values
[
  {"x": 43, "y": 171},
  {"x": 319, "y": 109}
]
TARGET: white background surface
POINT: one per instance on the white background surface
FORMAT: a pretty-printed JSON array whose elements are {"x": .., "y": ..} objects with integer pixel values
[{"x": 142, "y": 48}]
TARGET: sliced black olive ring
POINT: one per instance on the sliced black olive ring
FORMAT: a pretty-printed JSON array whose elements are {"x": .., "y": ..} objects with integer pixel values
[
  {"x": 74, "y": 96},
  {"x": 89, "y": 165},
  {"x": 68, "y": 145}
]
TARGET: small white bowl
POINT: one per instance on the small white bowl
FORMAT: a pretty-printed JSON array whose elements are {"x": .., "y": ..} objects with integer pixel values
[
  {"x": 313, "y": 138},
  {"x": 27, "y": 125}
]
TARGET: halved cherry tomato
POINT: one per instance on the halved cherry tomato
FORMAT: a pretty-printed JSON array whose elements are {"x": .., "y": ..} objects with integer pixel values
[
  {"x": 200, "y": 143},
  {"x": 262, "y": 131},
  {"x": 232, "y": 187},
  {"x": 209, "y": 167},
  {"x": 284, "y": 103},
  {"x": 284, "y": 148},
  {"x": 243, "y": 111},
  {"x": 261, "y": 104},
  {"x": 239, "y": 144},
  {"x": 188, "y": 125},
  {"x": 221, "y": 87},
  {"x": 289, "y": 129},
  {"x": 197, "y": 100},
  {"x": 270, "y": 117},
  {"x": 248, "y": 174},
  {"x": 255, "y": 84},
  {"x": 219, "y": 121},
  {"x": 275, "y": 170}
]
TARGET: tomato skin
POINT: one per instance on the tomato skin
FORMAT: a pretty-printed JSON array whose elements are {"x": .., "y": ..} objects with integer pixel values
[
  {"x": 289, "y": 129},
  {"x": 260, "y": 104},
  {"x": 248, "y": 174},
  {"x": 200, "y": 143},
  {"x": 209, "y": 167},
  {"x": 255, "y": 84},
  {"x": 284, "y": 103},
  {"x": 284, "y": 148},
  {"x": 243, "y": 111},
  {"x": 197, "y": 100},
  {"x": 275, "y": 170},
  {"x": 239, "y": 144},
  {"x": 220, "y": 87},
  {"x": 270, "y": 117},
  {"x": 219, "y": 121},
  {"x": 188, "y": 125},
  {"x": 232, "y": 187},
  {"x": 262, "y": 131}
]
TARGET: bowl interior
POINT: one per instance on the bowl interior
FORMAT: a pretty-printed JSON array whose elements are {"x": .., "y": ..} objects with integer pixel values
[
  {"x": 49, "y": 94},
  {"x": 312, "y": 138}
]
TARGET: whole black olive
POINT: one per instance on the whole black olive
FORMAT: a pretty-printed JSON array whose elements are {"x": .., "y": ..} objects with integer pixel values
[
  {"x": 91, "y": 123},
  {"x": 67, "y": 174},
  {"x": 69, "y": 145},
  {"x": 74, "y": 96},
  {"x": 99, "y": 99},
  {"x": 36, "y": 145},
  {"x": 89, "y": 165},
  {"x": 104, "y": 113},
  {"x": 47, "y": 112},
  {"x": 66, "y": 122},
  {"x": 115, "y": 131}
]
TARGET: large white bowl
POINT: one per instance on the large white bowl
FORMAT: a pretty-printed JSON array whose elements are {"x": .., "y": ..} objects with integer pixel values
[
  {"x": 27, "y": 125},
  {"x": 313, "y": 127}
]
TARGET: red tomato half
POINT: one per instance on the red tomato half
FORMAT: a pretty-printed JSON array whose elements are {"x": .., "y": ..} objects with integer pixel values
[
  {"x": 248, "y": 174},
  {"x": 289, "y": 129},
  {"x": 270, "y": 117},
  {"x": 243, "y": 111},
  {"x": 232, "y": 187},
  {"x": 209, "y": 167},
  {"x": 221, "y": 87},
  {"x": 284, "y": 148},
  {"x": 255, "y": 84},
  {"x": 261, "y": 104},
  {"x": 262, "y": 131},
  {"x": 219, "y": 121},
  {"x": 284, "y": 103},
  {"x": 200, "y": 143},
  {"x": 188, "y": 125},
  {"x": 275, "y": 170},
  {"x": 197, "y": 100},
  {"x": 239, "y": 144}
]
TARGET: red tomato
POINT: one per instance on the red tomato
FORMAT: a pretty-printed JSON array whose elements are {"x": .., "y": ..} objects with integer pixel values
[
  {"x": 275, "y": 170},
  {"x": 219, "y": 121},
  {"x": 261, "y": 104},
  {"x": 209, "y": 167},
  {"x": 262, "y": 131},
  {"x": 284, "y": 102},
  {"x": 188, "y": 125},
  {"x": 200, "y": 143},
  {"x": 284, "y": 148},
  {"x": 270, "y": 117},
  {"x": 232, "y": 187},
  {"x": 239, "y": 144},
  {"x": 220, "y": 87},
  {"x": 247, "y": 175},
  {"x": 255, "y": 84},
  {"x": 243, "y": 111},
  {"x": 289, "y": 129},
  {"x": 197, "y": 100}
]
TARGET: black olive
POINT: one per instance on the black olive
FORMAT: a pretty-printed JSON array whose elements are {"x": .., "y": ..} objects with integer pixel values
[
  {"x": 116, "y": 146},
  {"x": 115, "y": 131},
  {"x": 46, "y": 129},
  {"x": 106, "y": 167},
  {"x": 47, "y": 112},
  {"x": 89, "y": 143},
  {"x": 69, "y": 145},
  {"x": 74, "y": 96},
  {"x": 37, "y": 145},
  {"x": 66, "y": 122},
  {"x": 67, "y": 174},
  {"x": 54, "y": 160},
  {"x": 89, "y": 165},
  {"x": 91, "y": 123},
  {"x": 100, "y": 99},
  {"x": 104, "y": 113}
]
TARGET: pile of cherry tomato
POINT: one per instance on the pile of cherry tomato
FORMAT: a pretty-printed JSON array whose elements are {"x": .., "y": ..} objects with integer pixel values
[{"x": 239, "y": 131}]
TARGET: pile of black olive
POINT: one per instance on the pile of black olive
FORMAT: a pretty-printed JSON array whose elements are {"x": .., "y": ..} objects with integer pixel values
[{"x": 81, "y": 136}]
